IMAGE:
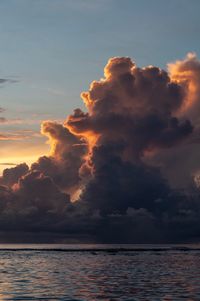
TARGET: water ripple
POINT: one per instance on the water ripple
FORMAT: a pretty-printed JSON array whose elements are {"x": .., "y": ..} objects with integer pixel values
[{"x": 91, "y": 276}]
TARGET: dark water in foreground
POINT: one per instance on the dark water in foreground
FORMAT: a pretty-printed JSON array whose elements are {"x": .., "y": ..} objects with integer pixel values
[{"x": 77, "y": 272}]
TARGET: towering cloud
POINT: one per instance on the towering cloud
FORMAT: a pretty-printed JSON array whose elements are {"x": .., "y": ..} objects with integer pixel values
[
  {"x": 66, "y": 156},
  {"x": 107, "y": 168},
  {"x": 134, "y": 106},
  {"x": 187, "y": 74}
]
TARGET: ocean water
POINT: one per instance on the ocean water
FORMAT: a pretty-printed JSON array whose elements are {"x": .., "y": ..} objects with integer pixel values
[{"x": 99, "y": 272}]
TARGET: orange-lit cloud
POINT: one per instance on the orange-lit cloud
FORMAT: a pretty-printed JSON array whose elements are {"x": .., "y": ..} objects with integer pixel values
[
  {"x": 187, "y": 74},
  {"x": 101, "y": 171}
]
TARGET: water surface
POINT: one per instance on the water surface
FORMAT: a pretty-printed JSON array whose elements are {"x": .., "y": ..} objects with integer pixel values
[{"x": 99, "y": 272}]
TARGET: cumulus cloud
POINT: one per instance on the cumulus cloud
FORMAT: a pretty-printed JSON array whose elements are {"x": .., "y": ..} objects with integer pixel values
[
  {"x": 136, "y": 106},
  {"x": 66, "y": 156},
  {"x": 110, "y": 170},
  {"x": 34, "y": 204},
  {"x": 187, "y": 74},
  {"x": 12, "y": 175},
  {"x": 182, "y": 162}
]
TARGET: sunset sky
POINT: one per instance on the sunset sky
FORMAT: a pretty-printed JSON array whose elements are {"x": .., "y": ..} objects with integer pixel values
[
  {"x": 99, "y": 117},
  {"x": 51, "y": 51}
]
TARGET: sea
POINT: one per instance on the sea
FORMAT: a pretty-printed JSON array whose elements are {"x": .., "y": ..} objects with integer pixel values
[{"x": 99, "y": 272}]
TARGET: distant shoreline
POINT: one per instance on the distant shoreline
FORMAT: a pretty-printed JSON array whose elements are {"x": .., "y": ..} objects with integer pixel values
[{"x": 94, "y": 250}]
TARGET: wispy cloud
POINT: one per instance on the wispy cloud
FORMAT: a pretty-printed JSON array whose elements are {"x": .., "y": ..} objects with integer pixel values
[
  {"x": 4, "y": 137},
  {"x": 8, "y": 81},
  {"x": 15, "y": 121},
  {"x": 19, "y": 135},
  {"x": 2, "y": 110},
  {"x": 8, "y": 164}
]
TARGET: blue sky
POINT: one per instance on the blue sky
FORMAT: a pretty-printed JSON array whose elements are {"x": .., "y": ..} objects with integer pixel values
[{"x": 53, "y": 49}]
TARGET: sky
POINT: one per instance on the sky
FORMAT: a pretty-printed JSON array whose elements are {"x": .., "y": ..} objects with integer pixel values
[
  {"x": 99, "y": 121},
  {"x": 51, "y": 51}
]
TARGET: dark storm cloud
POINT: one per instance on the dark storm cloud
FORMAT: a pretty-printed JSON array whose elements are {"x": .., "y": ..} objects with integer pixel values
[
  {"x": 12, "y": 175},
  {"x": 117, "y": 185},
  {"x": 32, "y": 203},
  {"x": 114, "y": 160},
  {"x": 135, "y": 105}
]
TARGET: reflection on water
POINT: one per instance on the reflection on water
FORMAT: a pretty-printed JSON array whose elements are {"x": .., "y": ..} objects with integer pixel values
[{"x": 50, "y": 275}]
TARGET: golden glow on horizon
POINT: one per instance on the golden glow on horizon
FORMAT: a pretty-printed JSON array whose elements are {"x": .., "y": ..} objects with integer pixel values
[
  {"x": 13, "y": 161},
  {"x": 17, "y": 153}
]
